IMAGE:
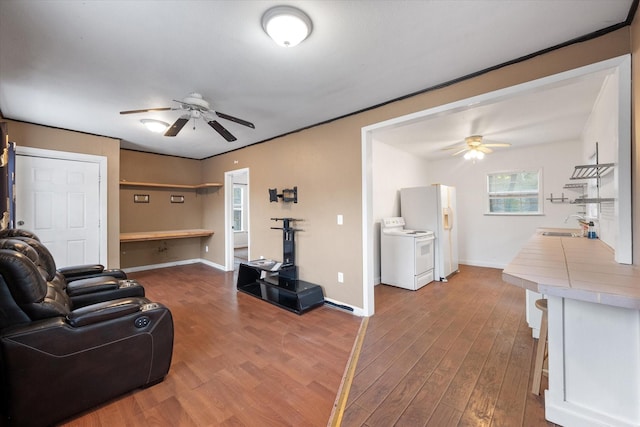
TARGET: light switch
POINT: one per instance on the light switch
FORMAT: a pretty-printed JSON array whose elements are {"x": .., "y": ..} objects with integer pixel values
[{"x": 339, "y": 219}]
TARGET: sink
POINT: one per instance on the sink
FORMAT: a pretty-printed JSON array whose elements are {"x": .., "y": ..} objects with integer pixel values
[{"x": 560, "y": 234}]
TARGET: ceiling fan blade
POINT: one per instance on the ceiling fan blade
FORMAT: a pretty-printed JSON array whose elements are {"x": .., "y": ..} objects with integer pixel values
[
  {"x": 235, "y": 119},
  {"x": 497, "y": 144},
  {"x": 484, "y": 149},
  {"x": 145, "y": 110},
  {"x": 221, "y": 130},
  {"x": 455, "y": 147},
  {"x": 177, "y": 126},
  {"x": 460, "y": 151}
]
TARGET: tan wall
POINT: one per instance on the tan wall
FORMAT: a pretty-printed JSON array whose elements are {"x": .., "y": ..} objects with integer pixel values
[
  {"x": 30, "y": 135},
  {"x": 160, "y": 214},
  {"x": 325, "y": 163}
]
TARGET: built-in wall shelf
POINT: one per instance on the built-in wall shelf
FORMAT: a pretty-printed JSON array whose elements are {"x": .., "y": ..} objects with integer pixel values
[
  {"x": 582, "y": 201},
  {"x": 159, "y": 185},
  {"x": 591, "y": 171},
  {"x": 580, "y": 186},
  {"x": 145, "y": 236}
]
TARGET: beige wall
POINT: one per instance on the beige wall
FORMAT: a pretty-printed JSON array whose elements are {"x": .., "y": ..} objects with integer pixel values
[
  {"x": 160, "y": 214},
  {"x": 325, "y": 163},
  {"x": 30, "y": 135}
]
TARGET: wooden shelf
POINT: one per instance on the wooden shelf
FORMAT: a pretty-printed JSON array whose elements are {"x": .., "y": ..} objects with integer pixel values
[
  {"x": 144, "y": 236},
  {"x": 158, "y": 185}
]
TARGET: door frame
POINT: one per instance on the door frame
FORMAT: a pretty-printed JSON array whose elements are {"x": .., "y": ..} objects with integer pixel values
[
  {"x": 102, "y": 180},
  {"x": 228, "y": 216},
  {"x": 625, "y": 227}
]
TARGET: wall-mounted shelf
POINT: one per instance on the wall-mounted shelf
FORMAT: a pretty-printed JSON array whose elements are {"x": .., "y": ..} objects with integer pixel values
[
  {"x": 159, "y": 185},
  {"x": 582, "y": 201},
  {"x": 144, "y": 236},
  {"x": 591, "y": 171},
  {"x": 577, "y": 187},
  {"x": 561, "y": 199}
]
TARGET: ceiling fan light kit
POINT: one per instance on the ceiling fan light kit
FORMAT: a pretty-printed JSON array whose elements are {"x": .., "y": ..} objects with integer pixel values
[
  {"x": 474, "y": 155},
  {"x": 195, "y": 107},
  {"x": 156, "y": 126},
  {"x": 287, "y": 26},
  {"x": 474, "y": 148}
]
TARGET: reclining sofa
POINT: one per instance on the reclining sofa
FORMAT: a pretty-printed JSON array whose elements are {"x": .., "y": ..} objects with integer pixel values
[{"x": 60, "y": 356}]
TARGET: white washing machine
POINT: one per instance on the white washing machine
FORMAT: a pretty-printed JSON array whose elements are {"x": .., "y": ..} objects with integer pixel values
[{"x": 406, "y": 256}]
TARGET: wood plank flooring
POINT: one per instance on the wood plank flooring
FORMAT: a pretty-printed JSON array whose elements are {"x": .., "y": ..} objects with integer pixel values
[
  {"x": 455, "y": 353},
  {"x": 451, "y": 354},
  {"x": 237, "y": 361}
]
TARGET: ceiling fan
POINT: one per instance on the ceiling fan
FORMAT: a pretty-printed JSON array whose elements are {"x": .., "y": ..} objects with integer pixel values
[
  {"x": 474, "y": 148},
  {"x": 195, "y": 107}
]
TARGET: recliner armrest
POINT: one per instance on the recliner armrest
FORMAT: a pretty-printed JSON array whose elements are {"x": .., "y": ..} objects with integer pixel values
[
  {"x": 102, "y": 312},
  {"x": 77, "y": 271},
  {"x": 91, "y": 285},
  {"x": 115, "y": 273}
]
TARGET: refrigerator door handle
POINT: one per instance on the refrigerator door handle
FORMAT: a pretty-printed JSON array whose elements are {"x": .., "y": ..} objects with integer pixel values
[{"x": 447, "y": 218}]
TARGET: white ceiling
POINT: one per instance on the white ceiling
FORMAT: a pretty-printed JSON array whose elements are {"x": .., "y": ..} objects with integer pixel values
[
  {"x": 76, "y": 64},
  {"x": 555, "y": 112}
]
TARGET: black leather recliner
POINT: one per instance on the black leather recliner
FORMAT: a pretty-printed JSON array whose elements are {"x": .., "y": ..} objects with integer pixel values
[
  {"x": 85, "y": 284},
  {"x": 69, "y": 273},
  {"x": 57, "y": 361}
]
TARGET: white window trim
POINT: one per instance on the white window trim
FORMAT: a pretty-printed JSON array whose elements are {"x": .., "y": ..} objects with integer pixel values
[
  {"x": 540, "y": 193},
  {"x": 240, "y": 207}
]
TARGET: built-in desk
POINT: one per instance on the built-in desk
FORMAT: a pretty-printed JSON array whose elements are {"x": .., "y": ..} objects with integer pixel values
[
  {"x": 594, "y": 328},
  {"x": 143, "y": 236}
]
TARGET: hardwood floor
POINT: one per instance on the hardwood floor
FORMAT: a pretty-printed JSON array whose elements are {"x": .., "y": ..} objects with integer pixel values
[
  {"x": 456, "y": 353},
  {"x": 450, "y": 354},
  {"x": 237, "y": 361}
]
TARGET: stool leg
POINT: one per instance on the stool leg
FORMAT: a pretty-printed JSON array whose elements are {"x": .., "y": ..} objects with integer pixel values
[{"x": 540, "y": 353}]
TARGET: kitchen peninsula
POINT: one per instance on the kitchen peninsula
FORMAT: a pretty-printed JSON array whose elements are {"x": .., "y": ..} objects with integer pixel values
[{"x": 594, "y": 327}]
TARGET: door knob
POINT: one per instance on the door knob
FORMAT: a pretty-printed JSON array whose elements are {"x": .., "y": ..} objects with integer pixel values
[{"x": 20, "y": 222}]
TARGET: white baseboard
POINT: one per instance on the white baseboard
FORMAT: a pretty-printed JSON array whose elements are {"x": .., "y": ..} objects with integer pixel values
[
  {"x": 172, "y": 264},
  {"x": 212, "y": 264},
  {"x": 357, "y": 311},
  {"x": 477, "y": 263}
]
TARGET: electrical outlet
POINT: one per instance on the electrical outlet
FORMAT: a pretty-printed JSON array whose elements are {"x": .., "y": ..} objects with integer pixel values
[
  {"x": 206, "y": 248},
  {"x": 340, "y": 277}
]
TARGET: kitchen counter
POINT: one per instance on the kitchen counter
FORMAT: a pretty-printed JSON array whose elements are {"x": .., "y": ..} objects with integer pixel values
[
  {"x": 574, "y": 267},
  {"x": 594, "y": 328}
]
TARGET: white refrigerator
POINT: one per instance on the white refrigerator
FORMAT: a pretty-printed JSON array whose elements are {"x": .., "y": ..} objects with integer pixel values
[{"x": 434, "y": 208}]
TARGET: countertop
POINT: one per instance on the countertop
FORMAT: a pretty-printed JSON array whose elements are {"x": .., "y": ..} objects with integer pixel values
[{"x": 574, "y": 267}]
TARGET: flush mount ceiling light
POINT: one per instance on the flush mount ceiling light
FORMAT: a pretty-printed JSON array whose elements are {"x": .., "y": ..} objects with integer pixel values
[
  {"x": 286, "y": 25},
  {"x": 156, "y": 126}
]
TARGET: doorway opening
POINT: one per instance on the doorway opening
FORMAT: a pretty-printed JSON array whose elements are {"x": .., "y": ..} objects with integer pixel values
[
  {"x": 374, "y": 210},
  {"x": 236, "y": 218}
]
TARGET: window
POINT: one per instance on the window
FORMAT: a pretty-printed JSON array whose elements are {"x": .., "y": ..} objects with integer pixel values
[
  {"x": 514, "y": 193},
  {"x": 238, "y": 207}
]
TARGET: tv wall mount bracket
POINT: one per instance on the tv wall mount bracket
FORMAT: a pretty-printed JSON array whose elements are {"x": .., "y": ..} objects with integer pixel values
[{"x": 287, "y": 195}]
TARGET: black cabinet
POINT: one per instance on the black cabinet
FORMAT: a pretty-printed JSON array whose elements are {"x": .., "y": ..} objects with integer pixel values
[{"x": 291, "y": 294}]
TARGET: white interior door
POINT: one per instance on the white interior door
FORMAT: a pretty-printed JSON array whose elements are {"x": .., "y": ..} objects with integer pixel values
[{"x": 59, "y": 200}]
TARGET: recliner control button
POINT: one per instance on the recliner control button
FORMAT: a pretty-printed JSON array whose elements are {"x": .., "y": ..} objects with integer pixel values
[{"x": 142, "y": 321}]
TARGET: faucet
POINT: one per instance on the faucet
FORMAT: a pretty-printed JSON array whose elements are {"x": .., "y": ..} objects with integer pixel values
[{"x": 580, "y": 217}]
